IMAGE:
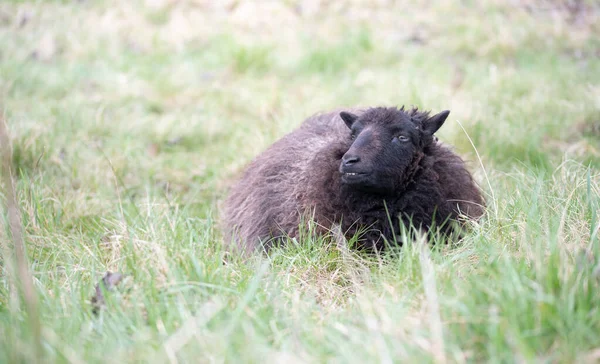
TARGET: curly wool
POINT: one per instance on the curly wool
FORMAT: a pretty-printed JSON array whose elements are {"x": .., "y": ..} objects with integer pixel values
[{"x": 299, "y": 176}]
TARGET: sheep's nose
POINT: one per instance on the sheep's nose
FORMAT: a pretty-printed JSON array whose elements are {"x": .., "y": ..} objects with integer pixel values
[{"x": 349, "y": 160}]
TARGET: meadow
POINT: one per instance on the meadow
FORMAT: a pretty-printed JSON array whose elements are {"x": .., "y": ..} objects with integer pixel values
[{"x": 128, "y": 120}]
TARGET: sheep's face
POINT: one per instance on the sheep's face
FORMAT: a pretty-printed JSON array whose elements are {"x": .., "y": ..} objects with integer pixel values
[{"x": 385, "y": 142}]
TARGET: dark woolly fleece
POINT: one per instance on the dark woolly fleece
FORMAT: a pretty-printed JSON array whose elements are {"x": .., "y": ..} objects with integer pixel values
[{"x": 299, "y": 174}]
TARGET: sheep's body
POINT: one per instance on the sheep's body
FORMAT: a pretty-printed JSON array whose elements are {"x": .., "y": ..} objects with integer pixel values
[{"x": 300, "y": 174}]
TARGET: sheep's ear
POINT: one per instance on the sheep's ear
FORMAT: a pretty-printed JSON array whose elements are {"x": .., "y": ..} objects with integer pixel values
[
  {"x": 348, "y": 118},
  {"x": 435, "y": 122}
]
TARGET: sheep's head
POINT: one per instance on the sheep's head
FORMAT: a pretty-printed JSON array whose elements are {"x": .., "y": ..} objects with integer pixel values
[{"x": 385, "y": 144}]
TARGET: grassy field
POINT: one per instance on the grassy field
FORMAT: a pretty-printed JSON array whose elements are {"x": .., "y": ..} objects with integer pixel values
[{"x": 129, "y": 120}]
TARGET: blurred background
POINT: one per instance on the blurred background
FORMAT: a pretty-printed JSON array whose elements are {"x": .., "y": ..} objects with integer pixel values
[{"x": 181, "y": 94}]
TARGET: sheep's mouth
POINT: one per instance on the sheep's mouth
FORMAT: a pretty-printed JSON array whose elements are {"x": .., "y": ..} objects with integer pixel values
[{"x": 353, "y": 177}]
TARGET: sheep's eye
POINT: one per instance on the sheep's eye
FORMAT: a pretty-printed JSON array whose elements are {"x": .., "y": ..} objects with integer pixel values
[
  {"x": 352, "y": 136},
  {"x": 402, "y": 138}
]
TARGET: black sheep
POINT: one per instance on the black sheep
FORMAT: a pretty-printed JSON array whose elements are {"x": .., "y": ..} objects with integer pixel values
[{"x": 382, "y": 169}]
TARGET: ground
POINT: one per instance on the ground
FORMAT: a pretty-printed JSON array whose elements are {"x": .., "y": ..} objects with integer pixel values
[{"x": 129, "y": 120}]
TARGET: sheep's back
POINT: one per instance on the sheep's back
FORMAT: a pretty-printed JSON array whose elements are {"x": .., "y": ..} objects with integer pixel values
[{"x": 269, "y": 198}]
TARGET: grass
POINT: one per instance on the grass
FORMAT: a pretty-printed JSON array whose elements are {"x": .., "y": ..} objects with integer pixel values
[{"x": 128, "y": 121}]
